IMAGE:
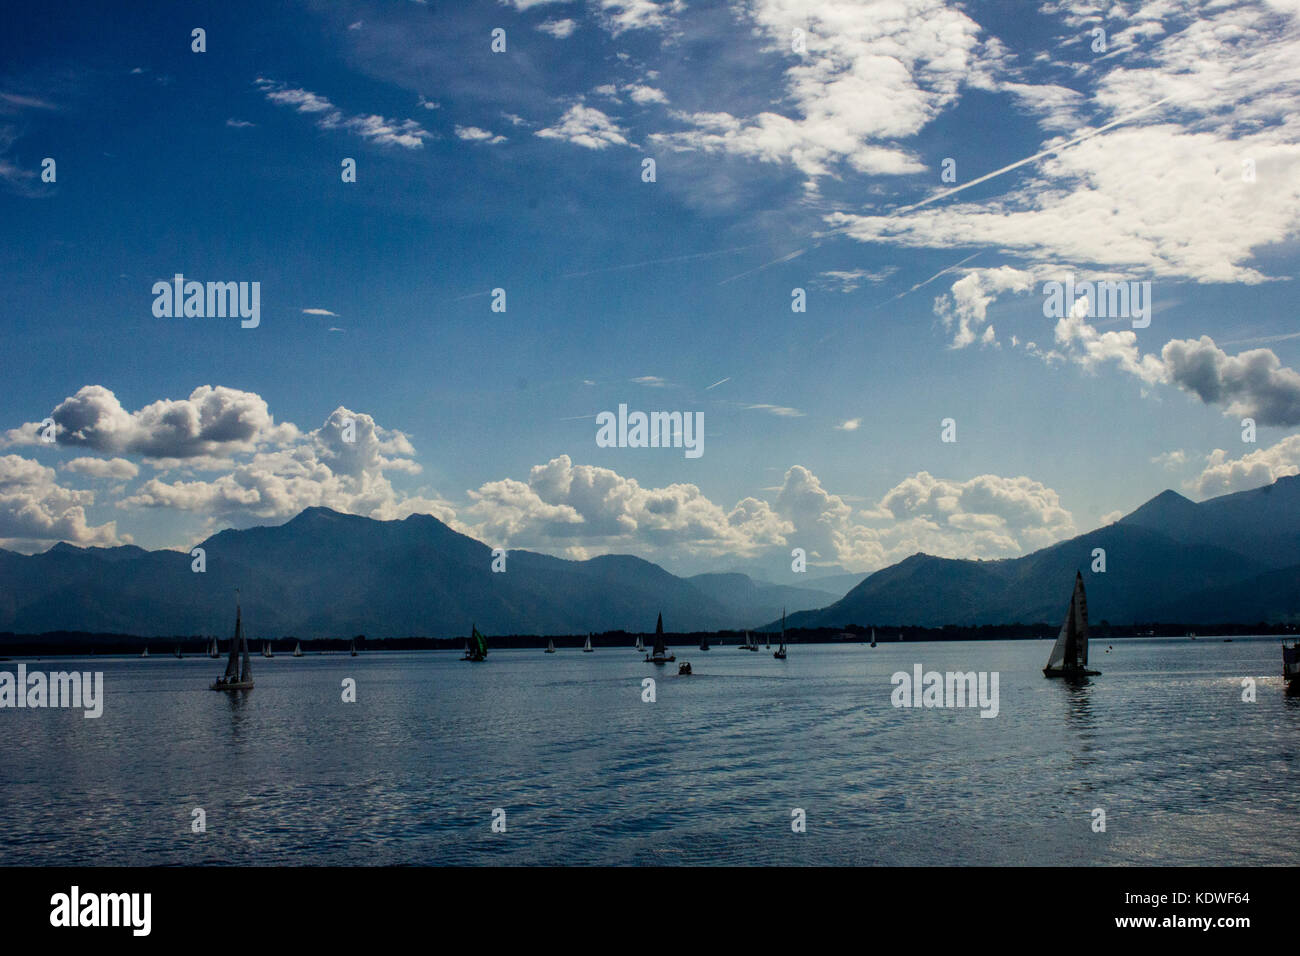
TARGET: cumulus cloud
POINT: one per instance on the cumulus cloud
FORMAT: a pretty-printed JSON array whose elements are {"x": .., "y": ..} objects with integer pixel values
[
  {"x": 578, "y": 510},
  {"x": 36, "y": 511},
  {"x": 581, "y": 510},
  {"x": 964, "y": 309},
  {"x": 211, "y": 421},
  {"x": 474, "y": 134},
  {"x": 117, "y": 468},
  {"x": 1223, "y": 475},
  {"x": 1253, "y": 383},
  {"x": 586, "y": 126},
  {"x": 342, "y": 465},
  {"x": 644, "y": 95}
]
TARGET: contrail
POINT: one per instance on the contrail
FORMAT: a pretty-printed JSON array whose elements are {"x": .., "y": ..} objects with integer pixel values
[
  {"x": 657, "y": 262},
  {"x": 1016, "y": 165},
  {"x": 716, "y": 384},
  {"x": 941, "y": 272},
  {"x": 785, "y": 258}
]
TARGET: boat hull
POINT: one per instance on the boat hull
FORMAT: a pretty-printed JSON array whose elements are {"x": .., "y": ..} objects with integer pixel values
[
  {"x": 233, "y": 685},
  {"x": 1073, "y": 673},
  {"x": 661, "y": 660}
]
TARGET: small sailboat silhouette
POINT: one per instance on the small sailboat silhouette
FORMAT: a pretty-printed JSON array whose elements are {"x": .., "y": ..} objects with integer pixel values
[
  {"x": 352, "y": 648},
  {"x": 239, "y": 671},
  {"x": 660, "y": 653},
  {"x": 214, "y": 651},
  {"x": 297, "y": 649},
  {"x": 1069, "y": 657},
  {"x": 587, "y": 648},
  {"x": 873, "y": 637},
  {"x": 145, "y": 652},
  {"x": 550, "y": 647},
  {"x": 476, "y": 648},
  {"x": 640, "y": 645},
  {"x": 780, "y": 653}
]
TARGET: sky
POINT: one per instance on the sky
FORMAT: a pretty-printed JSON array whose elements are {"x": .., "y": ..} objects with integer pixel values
[{"x": 914, "y": 174}]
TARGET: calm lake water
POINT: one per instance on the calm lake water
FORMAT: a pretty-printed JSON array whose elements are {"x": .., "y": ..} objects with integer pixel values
[{"x": 708, "y": 774}]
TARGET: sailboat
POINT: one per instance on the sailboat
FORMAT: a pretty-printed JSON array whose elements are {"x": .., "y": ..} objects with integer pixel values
[
  {"x": 352, "y": 648},
  {"x": 640, "y": 645},
  {"x": 1291, "y": 668},
  {"x": 145, "y": 653},
  {"x": 587, "y": 648},
  {"x": 704, "y": 643},
  {"x": 751, "y": 644},
  {"x": 769, "y": 633},
  {"x": 214, "y": 651},
  {"x": 297, "y": 649},
  {"x": 178, "y": 653},
  {"x": 1069, "y": 656},
  {"x": 266, "y": 649},
  {"x": 550, "y": 647},
  {"x": 780, "y": 651},
  {"x": 660, "y": 653},
  {"x": 239, "y": 672},
  {"x": 873, "y": 637},
  {"x": 476, "y": 647}
]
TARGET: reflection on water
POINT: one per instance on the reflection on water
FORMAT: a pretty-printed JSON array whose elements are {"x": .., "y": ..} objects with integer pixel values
[{"x": 707, "y": 774}]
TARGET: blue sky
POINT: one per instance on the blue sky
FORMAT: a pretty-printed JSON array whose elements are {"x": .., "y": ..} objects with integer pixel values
[{"x": 784, "y": 160}]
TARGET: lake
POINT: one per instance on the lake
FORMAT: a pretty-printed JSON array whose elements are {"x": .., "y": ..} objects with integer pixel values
[{"x": 709, "y": 773}]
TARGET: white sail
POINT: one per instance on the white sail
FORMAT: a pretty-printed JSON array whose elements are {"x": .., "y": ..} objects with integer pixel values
[{"x": 587, "y": 646}]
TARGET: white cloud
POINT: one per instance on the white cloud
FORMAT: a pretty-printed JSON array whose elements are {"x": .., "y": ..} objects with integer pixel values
[
  {"x": 320, "y": 467},
  {"x": 1253, "y": 383},
  {"x": 848, "y": 280},
  {"x": 35, "y": 511},
  {"x": 211, "y": 421},
  {"x": 851, "y": 425},
  {"x": 319, "y": 312},
  {"x": 560, "y": 29},
  {"x": 964, "y": 309},
  {"x": 619, "y": 16},
  {"x": 644, "y": 95},
  {"x": 474, "y": 134},
  {"x": 869, "y": 80},
  {"x": 116, "y": 468},
  {"x": 1223, "y": 78},
  {"x": 371, "y": 127},
  {"x": 586, "y": 126},
  {"x": 1223, "y": 475}
]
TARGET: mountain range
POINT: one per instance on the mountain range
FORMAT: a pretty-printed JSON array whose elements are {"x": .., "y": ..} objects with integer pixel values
[{"x": 1233, "y": 559}]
